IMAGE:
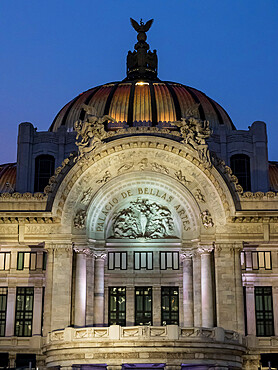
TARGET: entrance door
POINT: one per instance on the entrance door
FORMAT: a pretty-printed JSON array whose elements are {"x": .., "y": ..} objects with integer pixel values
[{"x": 143, "y": 306}]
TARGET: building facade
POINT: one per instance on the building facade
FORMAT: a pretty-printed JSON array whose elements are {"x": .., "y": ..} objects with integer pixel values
[{"x": 140, "y": 231}]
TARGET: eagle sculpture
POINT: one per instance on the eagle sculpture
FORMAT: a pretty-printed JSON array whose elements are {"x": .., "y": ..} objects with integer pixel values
[{"x": 142, "y": 27}]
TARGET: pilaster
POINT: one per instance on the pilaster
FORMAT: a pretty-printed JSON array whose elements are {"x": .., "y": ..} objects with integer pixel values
[
  {"x": 61, "y": 286},
  {"x": 250, "y": 308},
  {"x": 10, "y": 311},
  {"x": 37, "y": 311}
]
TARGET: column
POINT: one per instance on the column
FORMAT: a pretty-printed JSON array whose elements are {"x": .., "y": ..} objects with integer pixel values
[
  {"x": 48, "y": 290},
  {"x": 197, "y": 299},
  {"x": 250, "y": 308},
  {"x": 239, "y": 289},
  {"x": 80, "y": 288},
  {"x": 10, "y": 312},
  {"x": 187, "y": 277},
  {"x": 37, "y": 311},
  {"x": 90, "y": 289},
  {"x": 100, "y": 257},
  {"x": 206, "y": 286}
]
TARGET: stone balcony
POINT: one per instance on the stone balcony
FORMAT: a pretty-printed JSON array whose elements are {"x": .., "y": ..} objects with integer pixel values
[{"x": 169, "y": 344}]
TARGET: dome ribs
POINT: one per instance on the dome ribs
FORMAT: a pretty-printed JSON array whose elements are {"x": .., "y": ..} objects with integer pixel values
[
  {"x": 175, "y": 100},
  {"x": 196, "y": 99},
  {"x": 130, "y": 105},
  {"x": 142, "y": 102},
  {"x": 87, "y": 101},
  {"x": 142, "y": 110},
  {"x": 108, "y": 102},
  {"x": 62, "y": 123},
  {"x": 153, "y": 105},
  {"x": 165, "y": 105}
]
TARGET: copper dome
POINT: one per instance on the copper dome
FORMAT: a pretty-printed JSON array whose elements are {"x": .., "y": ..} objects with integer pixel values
[{"x": 142, "y": 103}]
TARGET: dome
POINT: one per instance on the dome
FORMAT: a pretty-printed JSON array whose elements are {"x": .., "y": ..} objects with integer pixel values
[
  {"x": 142, "y": 103},
  {"x": 142, "y": 99}
]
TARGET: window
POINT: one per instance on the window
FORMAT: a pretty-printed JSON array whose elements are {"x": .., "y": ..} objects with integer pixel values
[
  {"x": 264, "y": 311},
  {"x": 44, "y": 169},
  {"x": 3, "y": 310},
  {"x": 143, "y": 306},
  {"x": 117, "y": 260},
  {"x": 24, "y": 312},
  {"x": 143, "y": 260},
  {"x": 44, "y": 260},
  {"x": 117, "y": 307},
  {"x": 4, "y": 360},
  {"x": 261, "y": 260},
  {"x": 169, "y": 306},
  {"x": 5, "y": 260},
  {"x": 243, "y": 260},
  {"x": 240, "y": 165},
  {"x": 23, "y": 360},
  {"x": 26, "y": 260},
  {"x": 169, "y": 260}
]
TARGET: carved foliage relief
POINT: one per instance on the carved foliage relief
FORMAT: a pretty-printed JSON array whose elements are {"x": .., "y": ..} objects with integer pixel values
[{"x": 143, "y": 219}]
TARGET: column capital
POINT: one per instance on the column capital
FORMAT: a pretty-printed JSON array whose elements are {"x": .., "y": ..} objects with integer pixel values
[
  {"x": 99, "y": 255},
  {"x": 236, "y": 248},
  {"x": 205, "y": 249},
  {"x": 187, "y": 255},
  {"x": 87, "y": 251}
]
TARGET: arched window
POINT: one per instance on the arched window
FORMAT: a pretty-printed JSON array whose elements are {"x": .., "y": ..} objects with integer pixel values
[
  {"x": 240, "y": 165},
  {"x": 44, "y": 169}
]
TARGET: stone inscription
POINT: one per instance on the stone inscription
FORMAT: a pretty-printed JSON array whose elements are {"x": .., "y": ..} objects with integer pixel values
[{"x": 142, "y": 191}]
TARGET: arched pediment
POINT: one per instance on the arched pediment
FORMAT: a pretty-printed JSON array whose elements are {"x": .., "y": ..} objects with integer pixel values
[
  {"x": 95, "y": 179},
  {"x": 142, "y": 206}
]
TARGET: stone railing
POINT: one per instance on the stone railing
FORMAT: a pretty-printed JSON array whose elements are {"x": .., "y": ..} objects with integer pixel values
[{"x": 149, "y": 333}]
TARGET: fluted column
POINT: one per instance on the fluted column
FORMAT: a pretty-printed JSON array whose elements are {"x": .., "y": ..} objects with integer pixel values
[
  {"x": 80, "y": 287},
  {"x": 100, "y": 257},
  {"x": 188, "y": 306},
  {"x": 206, "y": 286}
]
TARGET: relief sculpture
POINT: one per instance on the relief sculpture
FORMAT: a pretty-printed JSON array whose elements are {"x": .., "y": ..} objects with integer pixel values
[
  {"x": 143, "y": 219},
  {"x": 194, "y": 132},
  {"x": 91, "y": 130}
]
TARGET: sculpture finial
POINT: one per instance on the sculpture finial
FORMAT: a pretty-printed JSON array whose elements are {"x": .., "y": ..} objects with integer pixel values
[{"x": 141, "y": 63}]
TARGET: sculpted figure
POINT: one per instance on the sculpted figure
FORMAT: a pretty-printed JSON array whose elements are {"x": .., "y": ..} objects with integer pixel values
[
  {"x": 91, "y": 130},
  {"x": 194, "y": 132},
  {"x": 206, "y": 219}
]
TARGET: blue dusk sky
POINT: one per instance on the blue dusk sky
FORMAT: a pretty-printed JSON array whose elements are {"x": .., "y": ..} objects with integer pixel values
[{"x": 53, "y": 50}]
